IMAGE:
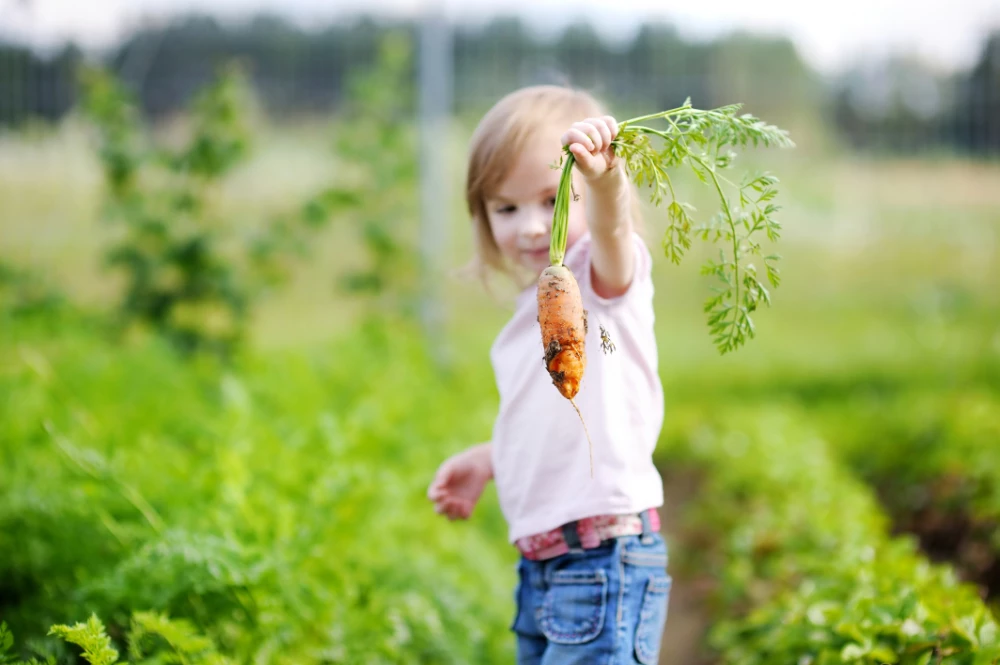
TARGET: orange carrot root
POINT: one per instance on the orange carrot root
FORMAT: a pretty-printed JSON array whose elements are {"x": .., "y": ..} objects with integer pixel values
[{"x": 563, "y": 323}]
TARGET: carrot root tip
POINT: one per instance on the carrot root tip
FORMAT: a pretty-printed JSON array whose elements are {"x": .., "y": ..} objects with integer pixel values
[{"x": 590, "y": 444}]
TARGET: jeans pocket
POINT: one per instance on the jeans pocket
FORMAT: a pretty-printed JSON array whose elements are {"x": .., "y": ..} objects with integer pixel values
[
  {"x": 574, "y": 606},
  {"x": 652, "y": 619}
]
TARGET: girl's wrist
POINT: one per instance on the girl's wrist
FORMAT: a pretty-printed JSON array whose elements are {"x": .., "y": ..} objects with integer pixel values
[
  {"x": 485, "y": 451},
  {"x": 608, "y": 212}
]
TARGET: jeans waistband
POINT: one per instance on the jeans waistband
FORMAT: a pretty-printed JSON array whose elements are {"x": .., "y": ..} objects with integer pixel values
[{"x": 587, "y": 533}]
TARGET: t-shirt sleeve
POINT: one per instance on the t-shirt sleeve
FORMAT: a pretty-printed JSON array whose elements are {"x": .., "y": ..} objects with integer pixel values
[{"x": 639, "y": 287}]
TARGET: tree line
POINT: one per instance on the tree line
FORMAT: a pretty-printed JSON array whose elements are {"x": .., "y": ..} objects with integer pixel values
[{"x": 899, "y": 105}]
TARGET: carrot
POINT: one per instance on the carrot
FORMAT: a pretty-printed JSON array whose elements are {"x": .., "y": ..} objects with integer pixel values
[
  {"x": 564, "y": 328},
  {"x": 560, "y": 314}
]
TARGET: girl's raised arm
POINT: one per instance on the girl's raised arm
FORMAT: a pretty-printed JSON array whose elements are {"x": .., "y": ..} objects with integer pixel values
[{"x": 607, "y": 203}]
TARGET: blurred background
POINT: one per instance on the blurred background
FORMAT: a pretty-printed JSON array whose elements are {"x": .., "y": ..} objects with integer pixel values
[{"x": 237, "y": 342}]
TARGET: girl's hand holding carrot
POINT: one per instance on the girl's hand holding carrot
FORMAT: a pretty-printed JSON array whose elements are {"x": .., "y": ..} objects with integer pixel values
[
  {"x": 608, "y": 201},
  {"x": 460, "y": 481},
  {"x": 590, "y": 142}
]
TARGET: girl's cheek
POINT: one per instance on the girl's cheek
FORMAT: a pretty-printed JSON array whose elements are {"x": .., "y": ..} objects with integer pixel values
[{"x": 505, "y": 238}]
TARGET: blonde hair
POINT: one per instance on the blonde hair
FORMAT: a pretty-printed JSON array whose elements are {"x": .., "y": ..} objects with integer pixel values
[{"x": 502, "y": 134}]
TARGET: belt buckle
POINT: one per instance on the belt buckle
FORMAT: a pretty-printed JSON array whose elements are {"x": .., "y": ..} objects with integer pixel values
[{"x": 571, "y": 536}]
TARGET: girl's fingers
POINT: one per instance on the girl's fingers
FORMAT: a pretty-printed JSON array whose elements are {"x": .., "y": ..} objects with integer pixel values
[
  {"x": 439, "y": 486},
  {"x": 591, "y": 129},
  {"x": 456, "y": 508},
  {"x": 612, "y": 126},
  {"x": 602, "y": 127},
  {"x": 586, "y": 161},
  {"x": 436, "y": 487},
  {"x": 443, "y": 475},
  {"x": 591, "y": 132},
  {"x": 576, "y": 135},
  {"x": 444, "y": 507}
]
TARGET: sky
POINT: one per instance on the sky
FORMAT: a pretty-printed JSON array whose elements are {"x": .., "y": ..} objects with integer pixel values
[{"x": 831, "y": 36}]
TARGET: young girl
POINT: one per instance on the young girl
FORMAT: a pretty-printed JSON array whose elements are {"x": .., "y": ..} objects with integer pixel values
[{"x": 593, "y": 583}]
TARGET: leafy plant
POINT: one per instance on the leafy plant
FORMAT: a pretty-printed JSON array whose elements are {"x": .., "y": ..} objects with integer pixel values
[
  {"x": 807, "y": 571},
  {"x": 153, "y": 639},
  {"x": 117, "y": 500},
  {"x": 932, "y": 459},
  {"x": 90, "y": 637},
  {"x": 177, "y": 280},
  {"x": 377, "y": 140},
  {"x": 183, "y": 276},
  {"x": 153, "y": 633},
  {"x": 26, "y": 292},
  {"x": 703, "y": 141},
  {"x": 7, "y": 644}
]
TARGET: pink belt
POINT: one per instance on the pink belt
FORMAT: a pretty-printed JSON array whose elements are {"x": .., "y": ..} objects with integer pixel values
[{"x": 586, "y": 533}]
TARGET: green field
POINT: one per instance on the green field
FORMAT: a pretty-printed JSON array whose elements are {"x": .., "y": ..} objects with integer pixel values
[{"x": 278, "y": 504}]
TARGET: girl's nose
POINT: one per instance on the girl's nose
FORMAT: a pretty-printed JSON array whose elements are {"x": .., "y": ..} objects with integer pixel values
[{"x": 535, "y": 225}]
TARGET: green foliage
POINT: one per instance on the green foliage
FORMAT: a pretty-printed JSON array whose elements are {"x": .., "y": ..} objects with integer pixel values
[
  {"x": 153, "y": 639},
  {"x": 278, "y": 508},
  {"x": 177, "y": 278},
  {"x": 376, "y": 139},
  {"x": 375, "y": 145},
  {"x": 703, "y": 141},
  {"x": 90, "y": 637},
  {"x": 184, "y": 645},
  {"x": 7, "y": 644},
  {"x": 807, "y": 571},
  {"x": 25, "y": 293},
  {"x": 190, "y": 274},
  {"x": 932, "y": 458}
]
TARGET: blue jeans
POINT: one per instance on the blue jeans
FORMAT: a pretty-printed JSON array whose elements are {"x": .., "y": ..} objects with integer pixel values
[{"x": 601, "y": 606}]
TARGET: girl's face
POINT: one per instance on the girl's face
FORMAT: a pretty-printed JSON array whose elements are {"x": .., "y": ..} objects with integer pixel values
[{"x": 520, "y": 212}]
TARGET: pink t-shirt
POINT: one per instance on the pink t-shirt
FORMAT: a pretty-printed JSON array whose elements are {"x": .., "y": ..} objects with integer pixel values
[{"x": 540, "y": 459}]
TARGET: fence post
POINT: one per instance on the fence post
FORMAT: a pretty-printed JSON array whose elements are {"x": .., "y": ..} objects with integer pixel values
[{"x": 435, "y": 73}]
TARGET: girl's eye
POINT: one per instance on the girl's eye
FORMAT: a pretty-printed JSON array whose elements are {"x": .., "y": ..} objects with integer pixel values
[
  {"x": 506, "y": 210},
  {"x": 551, "y": 202}
]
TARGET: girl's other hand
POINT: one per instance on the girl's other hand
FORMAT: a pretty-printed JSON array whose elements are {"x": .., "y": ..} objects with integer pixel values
[
  {"x": 590, "y": 142},
  {"x": 460, "y": 481}
]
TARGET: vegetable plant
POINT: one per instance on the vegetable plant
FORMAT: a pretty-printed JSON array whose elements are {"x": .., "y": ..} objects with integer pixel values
[
  {"x": 703, "y": 141},
  {"x": 190, "y": 274}
]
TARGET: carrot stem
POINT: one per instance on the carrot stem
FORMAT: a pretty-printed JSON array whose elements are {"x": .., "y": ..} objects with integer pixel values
[
  {"x": 560, "y": 214},
  {"x": 653, "y": 116}
]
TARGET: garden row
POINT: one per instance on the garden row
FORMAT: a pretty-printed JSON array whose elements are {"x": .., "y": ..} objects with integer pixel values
[
  {"x": 277, "y": 507},
  {"x": 805, "y": 568},
  {"x": 933, "y": 457}
]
